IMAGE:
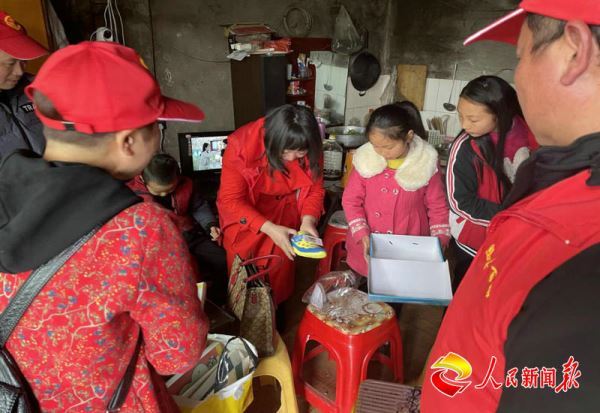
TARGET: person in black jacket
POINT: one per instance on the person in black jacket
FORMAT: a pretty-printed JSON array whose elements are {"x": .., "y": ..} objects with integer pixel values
[
  {"x": 482, "y": 162},
  {"x": 19, "y": 126}
]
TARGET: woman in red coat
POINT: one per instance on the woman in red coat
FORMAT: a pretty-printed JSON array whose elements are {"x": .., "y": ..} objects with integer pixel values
[{"x": 271, "y": 185}]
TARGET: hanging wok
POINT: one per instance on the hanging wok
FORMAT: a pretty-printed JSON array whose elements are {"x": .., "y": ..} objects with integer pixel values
[{"x": 364, "y": 71}]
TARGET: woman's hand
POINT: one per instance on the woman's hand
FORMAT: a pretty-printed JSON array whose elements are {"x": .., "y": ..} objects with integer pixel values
[
  {"x": 309, "y": 225},
  {"x": 280, "y": 236},
  {"x": 215, "y": 233},
  {"x": 366, "y": 241}
]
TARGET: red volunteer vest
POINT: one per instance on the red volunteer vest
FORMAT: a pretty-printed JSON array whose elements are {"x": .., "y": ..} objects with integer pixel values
[
  {"x": 524, "y": 244},
  {"x": 488, "y": 188}
]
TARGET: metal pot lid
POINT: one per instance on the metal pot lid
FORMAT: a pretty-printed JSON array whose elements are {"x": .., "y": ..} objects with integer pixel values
[{"x": 364, "y": 71}]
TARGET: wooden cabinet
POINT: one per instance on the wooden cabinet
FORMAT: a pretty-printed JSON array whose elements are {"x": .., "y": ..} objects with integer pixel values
[
  {"x": 258, "y": 85},
  {"x": 259, "y": 82}
]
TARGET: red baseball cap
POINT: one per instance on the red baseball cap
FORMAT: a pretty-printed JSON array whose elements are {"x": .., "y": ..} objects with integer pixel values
[
  {"x": 507, "y": 28},
  {"x": 99, "y": 87},
  {"x": 15, "y": 42}
]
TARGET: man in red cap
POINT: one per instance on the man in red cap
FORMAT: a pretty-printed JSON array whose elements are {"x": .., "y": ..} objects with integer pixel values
[
  {"x": 99, "y": 106},
  {"x": 520, "y": 333},
  {"x": 19, "y": 126}
]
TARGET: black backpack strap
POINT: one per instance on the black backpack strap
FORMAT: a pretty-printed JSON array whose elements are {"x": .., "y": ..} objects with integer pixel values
[
  {"x": 30, "y": 289},
  {"x": 120, "y": 394},
  {"x": 32, "y": 286}
]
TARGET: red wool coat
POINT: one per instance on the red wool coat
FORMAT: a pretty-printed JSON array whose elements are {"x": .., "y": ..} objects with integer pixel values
[
  {"x": 408, "y": 201},
  {"x": 249, "y": 196}
]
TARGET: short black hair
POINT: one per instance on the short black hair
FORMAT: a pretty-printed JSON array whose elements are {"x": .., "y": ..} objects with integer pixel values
[
  {"x": 292, "y": 127},
  {"x": 396, "y": 120},
  {"x": 546, "y": 30},
  {"x": 162, "y": 169},
  {"x": 47, "y": 108},
  {"x": 92, "y": 140}
]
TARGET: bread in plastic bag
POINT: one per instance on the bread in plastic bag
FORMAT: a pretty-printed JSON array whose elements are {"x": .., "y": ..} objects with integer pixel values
[{"x": 316, "y": 295}]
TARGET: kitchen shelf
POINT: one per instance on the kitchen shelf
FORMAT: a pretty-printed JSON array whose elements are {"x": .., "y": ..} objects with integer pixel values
[
  {"x": 301, "y": 78},
  {"x": 305, "y": 45}
]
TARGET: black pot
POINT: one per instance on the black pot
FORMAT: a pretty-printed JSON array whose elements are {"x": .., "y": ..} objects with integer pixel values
[{"x": 364, "y": 71}]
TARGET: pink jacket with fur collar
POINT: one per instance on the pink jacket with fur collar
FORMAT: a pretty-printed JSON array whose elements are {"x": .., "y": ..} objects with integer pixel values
[{"x": 408, "y": 201}]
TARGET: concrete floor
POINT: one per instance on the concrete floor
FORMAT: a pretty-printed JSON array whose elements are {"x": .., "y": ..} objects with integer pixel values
[{"x": 418, "y": 325}]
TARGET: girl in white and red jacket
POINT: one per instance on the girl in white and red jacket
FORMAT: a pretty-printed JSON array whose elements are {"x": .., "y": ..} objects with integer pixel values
[
  {"x": 483, "y": 162},
  {"x": 395, "y": 186}
]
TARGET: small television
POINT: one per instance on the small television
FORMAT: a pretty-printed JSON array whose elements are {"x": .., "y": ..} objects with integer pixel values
[{"x": 202, "y": 151}]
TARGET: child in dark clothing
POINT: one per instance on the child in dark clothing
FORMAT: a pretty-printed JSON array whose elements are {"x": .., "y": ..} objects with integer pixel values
[{"x": 162, "y": 182}]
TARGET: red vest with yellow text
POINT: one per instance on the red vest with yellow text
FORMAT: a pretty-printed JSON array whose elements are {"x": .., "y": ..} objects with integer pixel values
[{"x": 525, "y": 243}]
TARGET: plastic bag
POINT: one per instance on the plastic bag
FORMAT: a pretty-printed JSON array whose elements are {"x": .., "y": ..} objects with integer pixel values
[
  {"x": 316, "y": 295},
  {"x": 390, "y": 91},
  {"x": 231, "y": 394},
  {"x": 352, "y": 312},
  {"x": 346, "y": 39}
]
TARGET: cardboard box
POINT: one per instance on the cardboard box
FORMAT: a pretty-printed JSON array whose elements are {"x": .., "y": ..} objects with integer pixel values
[{"x": 408, "y": 269}]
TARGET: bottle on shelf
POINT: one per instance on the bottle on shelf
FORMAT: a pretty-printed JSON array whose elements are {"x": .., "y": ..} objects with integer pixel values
[{"x": 333, "y": 154}]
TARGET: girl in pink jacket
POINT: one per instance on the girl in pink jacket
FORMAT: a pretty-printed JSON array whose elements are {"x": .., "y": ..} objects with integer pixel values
[{"x": 395, "y": 186}]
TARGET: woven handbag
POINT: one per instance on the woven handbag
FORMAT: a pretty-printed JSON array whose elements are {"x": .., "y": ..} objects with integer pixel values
[{"x": 249, "y": 298}]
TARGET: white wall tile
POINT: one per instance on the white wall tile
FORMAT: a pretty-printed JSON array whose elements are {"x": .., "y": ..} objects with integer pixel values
[
  {"x": 319, "y": 99},
  {"x": 321, "y": 59},
  {"x": 431, "y": 92},
  {"x": 338, "y": 79},
  {"x": 356, "y": 116},
  {"x": 356, "y": 101},
  {"x": 458, "y": 86},
  {"x": 338, "y": 105},
  {"x": 380, "y": 86},
  {"x": 320, "y": 76},
  {"x": 352, "y": 98},
  {"x": 453, "y": 126},
  {"x": 362, "y": 113},
  {"x": 370, "y": 98},
  {"x": 352, "y": 116},
  {"x": 443, "y": 94}
]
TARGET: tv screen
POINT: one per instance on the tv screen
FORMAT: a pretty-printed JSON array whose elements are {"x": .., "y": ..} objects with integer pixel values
[{"x": 202, "y": 151}]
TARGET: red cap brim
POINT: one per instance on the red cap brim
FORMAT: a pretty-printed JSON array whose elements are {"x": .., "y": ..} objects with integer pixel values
[
  {"x": 22, "y": 47},
  {"x": 181, "y": 111},
  {"x": 505, "y": 30}
]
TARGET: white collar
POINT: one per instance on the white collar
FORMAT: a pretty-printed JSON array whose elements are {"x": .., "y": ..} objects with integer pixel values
[{"x": 419, "y": 165}]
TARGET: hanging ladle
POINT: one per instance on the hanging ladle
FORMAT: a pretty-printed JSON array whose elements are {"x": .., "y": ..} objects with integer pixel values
[
  {"x": 448, "y": 105},
  {"x": 327, "y": 85}
]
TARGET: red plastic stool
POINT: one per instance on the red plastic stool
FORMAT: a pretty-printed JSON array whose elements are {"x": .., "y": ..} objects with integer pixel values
[
  {"x": 334, "y": 242},
  {"x": 350, "y": 349}
]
